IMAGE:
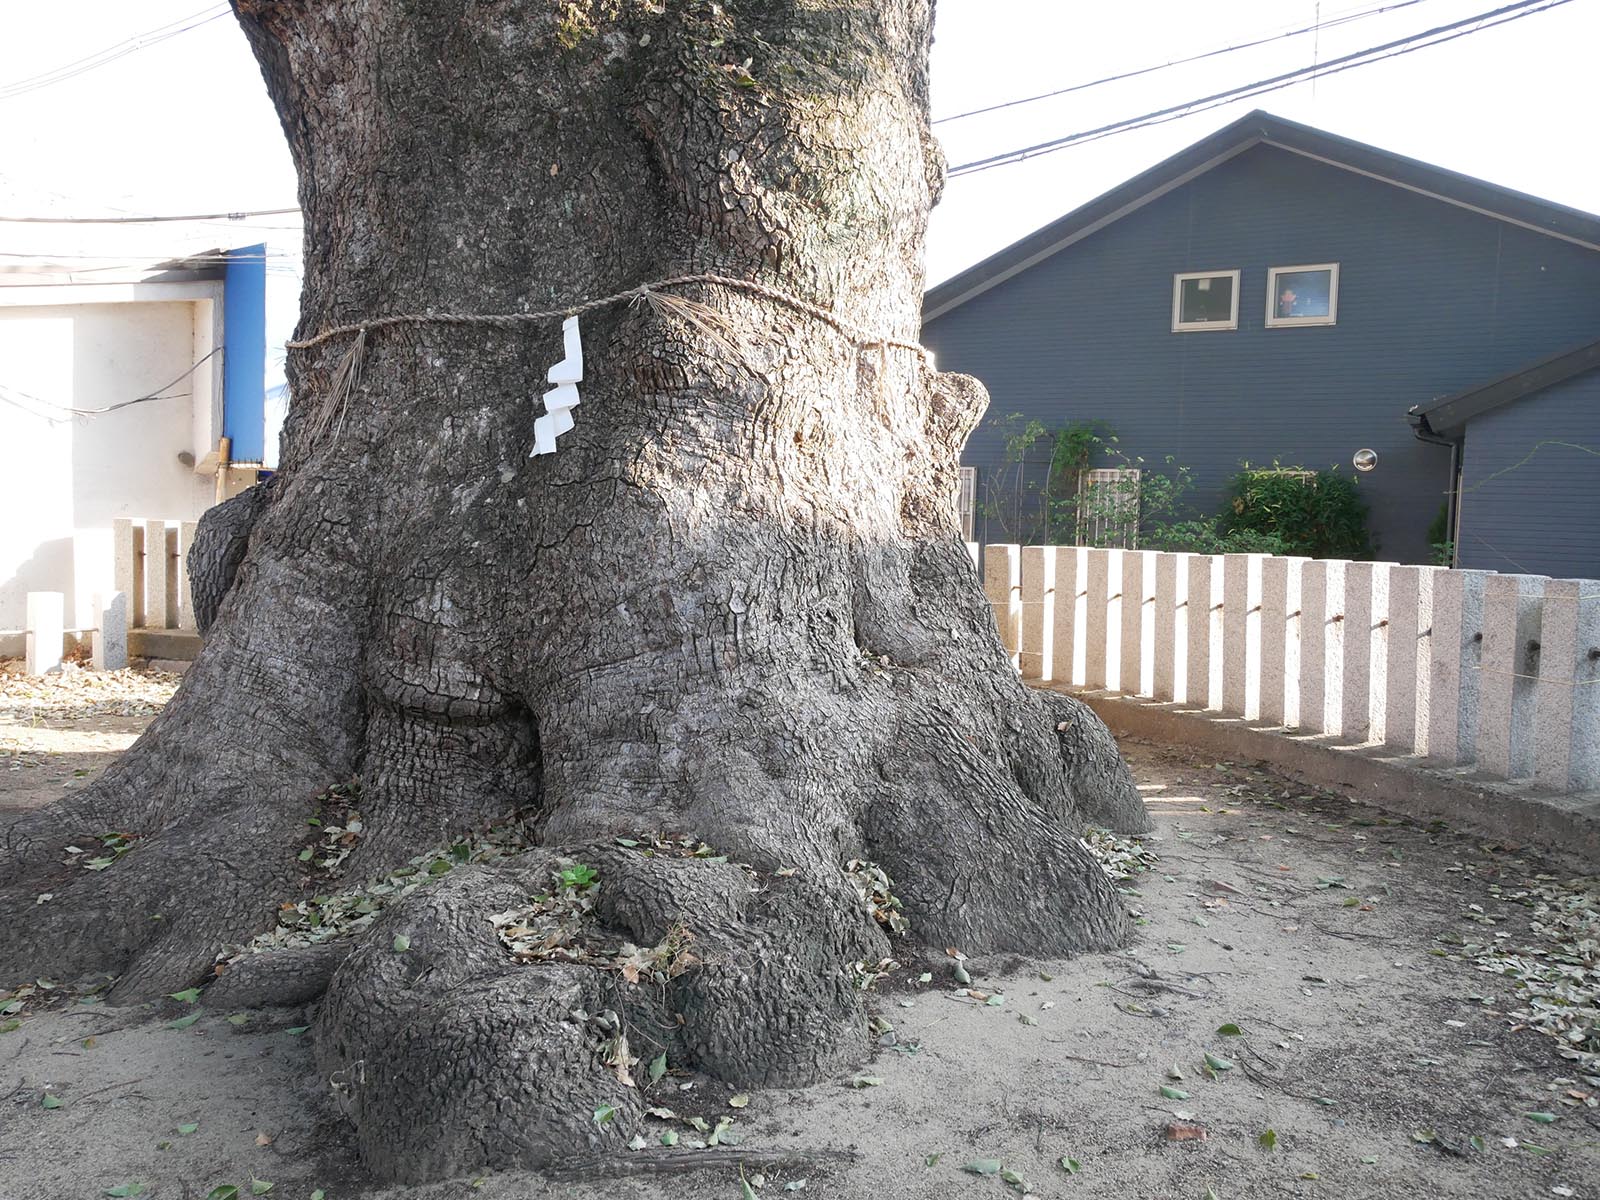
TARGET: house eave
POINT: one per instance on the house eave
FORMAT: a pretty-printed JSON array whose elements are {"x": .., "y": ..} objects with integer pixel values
[{"x": 1447, "y": 416}]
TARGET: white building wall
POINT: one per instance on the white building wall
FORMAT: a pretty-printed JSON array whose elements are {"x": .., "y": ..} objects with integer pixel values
[{"x": 64, "y": 478}]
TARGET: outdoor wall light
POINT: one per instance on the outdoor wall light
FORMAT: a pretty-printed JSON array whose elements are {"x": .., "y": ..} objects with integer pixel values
[{"x": 1365, "y": 460}]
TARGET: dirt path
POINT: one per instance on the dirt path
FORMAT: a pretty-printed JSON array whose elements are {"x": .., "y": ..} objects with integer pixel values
[
  {"x": 39, "y": 763},
  {"x": 1311, "y": 925},
  {"x": 60, "y": 732}
]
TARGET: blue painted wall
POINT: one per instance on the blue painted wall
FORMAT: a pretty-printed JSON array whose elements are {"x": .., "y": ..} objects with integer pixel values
[
  {"x": 1530, "y": 484},
  {"x": 1433, "y": 299},
  {"x": 244, "y": 360}
]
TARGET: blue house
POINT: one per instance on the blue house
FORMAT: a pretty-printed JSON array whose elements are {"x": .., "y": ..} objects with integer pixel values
[{"x": 1275, "y": 293}]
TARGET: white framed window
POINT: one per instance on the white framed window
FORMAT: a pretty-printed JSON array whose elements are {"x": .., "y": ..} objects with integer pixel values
[
  {"x": 1307, "y": 295},
  {"x": 967, "y": 502},
  {"x": 1205, "y": 300}
]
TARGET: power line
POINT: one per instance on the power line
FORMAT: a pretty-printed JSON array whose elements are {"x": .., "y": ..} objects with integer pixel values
[
  {"x": 110, "y": 54},
  {"x": 46, "y": 258},
  {"x": 216, "y": 216},
  {"x": 8, "y": 394},
  {"x": 1178, "y": 62},
  {"x": 1361, "y": 58}
]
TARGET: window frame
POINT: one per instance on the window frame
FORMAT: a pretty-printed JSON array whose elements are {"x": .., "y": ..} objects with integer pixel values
[
  {"x": 1276, "y": 322},
  {"x": 1117, "y": 525},
  {"x": 1181, "y": 326}
]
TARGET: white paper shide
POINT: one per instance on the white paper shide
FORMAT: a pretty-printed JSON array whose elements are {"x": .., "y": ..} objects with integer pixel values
[{"x": 560, "y": 400}]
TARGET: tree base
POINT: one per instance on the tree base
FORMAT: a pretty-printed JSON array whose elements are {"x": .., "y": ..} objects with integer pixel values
[{"x": 732, "y": 604}]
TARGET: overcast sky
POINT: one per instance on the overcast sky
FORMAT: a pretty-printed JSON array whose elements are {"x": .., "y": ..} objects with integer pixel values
[{"x": 184, "y": 125}]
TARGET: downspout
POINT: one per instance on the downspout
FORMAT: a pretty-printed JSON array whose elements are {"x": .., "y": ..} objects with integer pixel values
[{"x": 1452, "y": 516}]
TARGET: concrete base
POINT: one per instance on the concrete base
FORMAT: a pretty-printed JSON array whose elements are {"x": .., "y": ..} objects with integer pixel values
[
  {"x": 1565, "y": 826},
  {"x": 180, "y": 644}
]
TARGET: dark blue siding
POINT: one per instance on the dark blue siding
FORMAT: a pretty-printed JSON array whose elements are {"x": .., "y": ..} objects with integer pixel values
[
  {"x": 1433, "y": 299},
  {"x": 1530, "y": 484}
]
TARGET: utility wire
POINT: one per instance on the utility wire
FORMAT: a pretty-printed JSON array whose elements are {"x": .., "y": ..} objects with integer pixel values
[
  {"x": 216, "y": 216},
  {"x": 1361, "y": 58},
  {"x": 110, "y": 54},
  {"x": 1178, "y": 62},
  {"x": 46, "y": 258},
  {"x": 159, "y": 393}
]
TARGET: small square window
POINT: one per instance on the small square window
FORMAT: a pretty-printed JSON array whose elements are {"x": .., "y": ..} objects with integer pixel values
[
  {"x": 1303, "y": 295},
  {"x": 1205, "y": 300}
]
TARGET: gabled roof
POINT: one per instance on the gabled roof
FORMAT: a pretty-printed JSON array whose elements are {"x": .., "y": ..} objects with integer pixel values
[
  {"x": 1448, "y": 415},
  {"x": 1256, "y": 129}
]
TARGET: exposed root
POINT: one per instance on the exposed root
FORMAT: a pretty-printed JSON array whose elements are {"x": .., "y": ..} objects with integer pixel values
[
  {"x": 682, "y": 1162},
  {"x": 1099, "y": 782}
]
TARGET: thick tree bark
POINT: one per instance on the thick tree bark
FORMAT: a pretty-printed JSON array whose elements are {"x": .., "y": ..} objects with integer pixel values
[{"x": 732, "y": 605}]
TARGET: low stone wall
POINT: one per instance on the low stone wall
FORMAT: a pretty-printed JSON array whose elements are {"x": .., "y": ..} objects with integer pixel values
[
  {"x": 1460, "y": 669},
  {"x": 148, "y": 612}
]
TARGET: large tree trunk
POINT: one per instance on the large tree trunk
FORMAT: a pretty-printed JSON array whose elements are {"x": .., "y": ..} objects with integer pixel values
[{"x": 732, "y": 604}]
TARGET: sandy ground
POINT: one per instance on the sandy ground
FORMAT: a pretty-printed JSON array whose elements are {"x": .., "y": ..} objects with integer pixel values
[
  {"x": 59, "y": 732},
  {"x": 1374, "y": 1061}
]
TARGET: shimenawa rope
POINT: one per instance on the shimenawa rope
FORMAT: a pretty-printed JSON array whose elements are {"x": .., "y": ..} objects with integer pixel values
[{"x": 853, "y": 333}]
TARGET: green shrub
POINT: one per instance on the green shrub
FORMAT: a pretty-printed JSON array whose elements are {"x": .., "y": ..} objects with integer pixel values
[
  {"x": 1202, "y": 536},
  {"x": 1320, "y": 514}
]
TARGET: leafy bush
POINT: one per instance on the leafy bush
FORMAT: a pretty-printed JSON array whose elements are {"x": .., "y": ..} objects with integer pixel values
[
  {"x": 1042, "y": 492},
  {"x": 1202, "y": 536},
  {"x": 1320, "y": 514}
]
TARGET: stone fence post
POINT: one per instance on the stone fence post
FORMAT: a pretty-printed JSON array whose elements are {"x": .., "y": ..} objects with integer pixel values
[
  {"x": 1037, "y": 598},
  {"x": 1453, "y": 679},
  {"x": 1406, "y": 675},
  {"x": 109, "y": 647},
  {"x": 1566, "y": 720},
  {"x": 1508, "y": 669},
  {"x": 1322, "y": 646},
  {"x": 1241, "y": 634},
  {"x": 1138, "y": 621},
  {"x": 1002, "y": 583},
  {"x": 1202, "y": 628},
  {"x": 1363, "y": 684},
  {"x": 1070, "y": 613},
  {"x": 1280, "y": 640}
]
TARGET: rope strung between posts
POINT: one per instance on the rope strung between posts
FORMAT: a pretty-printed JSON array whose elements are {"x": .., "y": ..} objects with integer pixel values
[{"x": 853, "y": 333}]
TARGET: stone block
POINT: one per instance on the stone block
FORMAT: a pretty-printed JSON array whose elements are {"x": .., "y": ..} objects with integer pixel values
[
  {"x": 1097, "y": 617},
  {"x": 1406, "y": 677},
  {"x": 1280, "y": 639},
  {"x": 1364, "y": 694},
  {"x": 1322, "y": 646},
  {"x": 1138, "y": 622},
  {"x": 1002, "y": 583},
  {"x": 1241, "y": 635},
  {"x": 1566, "y": 720},
  {"x": 1508, "y": 670},
  {"x": 1038, "y": 618},
  {"x": 155, "y": 575},
  {"x": 109, "y": 650},
  {"x": 1455, "y": 648},
  {"x": 1165, "y": 655},
  {"x": 1202, "y": 628}
]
